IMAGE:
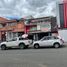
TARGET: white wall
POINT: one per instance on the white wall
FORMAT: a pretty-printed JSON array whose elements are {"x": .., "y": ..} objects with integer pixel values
[
  {"x": 11, "y": 35},
  {"x": 57, "y": 14},
  {"x": 63, "y": 34}
]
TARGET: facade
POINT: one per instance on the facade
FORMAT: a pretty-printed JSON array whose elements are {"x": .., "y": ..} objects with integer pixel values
[
  {"x": 39, "y": 27},
  {"x": 62, "y": 19},
  {"x": 10, "y": 29},
  {"x": 62, "y": 14}
]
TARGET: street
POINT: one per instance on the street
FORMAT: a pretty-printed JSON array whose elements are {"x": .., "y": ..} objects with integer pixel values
[{"x": 44, "y": 57}]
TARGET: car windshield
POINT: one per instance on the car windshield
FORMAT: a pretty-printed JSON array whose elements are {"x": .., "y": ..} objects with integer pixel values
[
  {"x": 23, "y": 38},
  {"x": 49, "y": 37},
  {"x": 14, "y": 39},
  {"x": 45, "y": 37}
]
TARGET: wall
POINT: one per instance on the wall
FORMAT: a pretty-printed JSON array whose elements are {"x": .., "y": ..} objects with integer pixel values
[
  {"x": 62, "y": 15},
  {"x": 11, "y": 35},
  {"x": 63, "y": 34}
]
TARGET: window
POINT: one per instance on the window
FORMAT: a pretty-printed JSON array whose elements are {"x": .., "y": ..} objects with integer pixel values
[
  {"x": 23, "y": 38},
  {"x": 14, "y": 34},
  {"x": 14, "y": 39},
  {"x": 1, "y": 26},
  {"x": 43, "y": 39},
  {"x": 11, "y": 24},
  {"x": 20, "y": 38},
  {"x": 10, "y": 35},
  {"x": 56, "y": 38},
  {"x": 48, "y": 38}
]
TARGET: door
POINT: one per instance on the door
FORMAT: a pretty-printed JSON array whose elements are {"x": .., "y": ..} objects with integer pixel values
[
  {"x": 3, "y": 36},
  {"x": 12, "y": 43},
  {"x": 47, "y": 41},
  {"x": 43, "y": 42}
]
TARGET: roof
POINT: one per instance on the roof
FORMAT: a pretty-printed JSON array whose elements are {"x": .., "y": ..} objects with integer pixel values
[
  {"x": 48, "y": 17},
  {"x": 3, "y": 19},
  {"x": 7, "y": 21}
]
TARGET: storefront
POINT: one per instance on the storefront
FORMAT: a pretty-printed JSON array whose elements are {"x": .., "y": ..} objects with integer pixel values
[{"x": 40, "y": 27}]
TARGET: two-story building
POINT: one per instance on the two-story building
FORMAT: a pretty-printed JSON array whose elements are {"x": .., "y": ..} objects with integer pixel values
[
  {"x": 39, "y": 27},
  {"x": 10, "y": 29}
]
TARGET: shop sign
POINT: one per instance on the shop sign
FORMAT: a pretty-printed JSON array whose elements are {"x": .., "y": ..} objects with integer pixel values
[{"x": 46, "y": 27}]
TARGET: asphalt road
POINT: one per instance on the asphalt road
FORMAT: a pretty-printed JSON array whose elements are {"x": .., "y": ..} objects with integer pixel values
[{"x": 44, "y": 57}]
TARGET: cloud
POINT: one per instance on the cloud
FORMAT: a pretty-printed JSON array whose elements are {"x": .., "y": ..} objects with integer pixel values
[{"x": 22, "y": 8}]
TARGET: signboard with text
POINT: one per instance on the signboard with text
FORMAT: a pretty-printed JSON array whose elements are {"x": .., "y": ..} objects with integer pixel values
[{"x": 46, "y": 27}]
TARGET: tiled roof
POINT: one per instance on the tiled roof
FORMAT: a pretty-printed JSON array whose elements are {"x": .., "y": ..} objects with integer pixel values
[{"x": 3, "y": 19}]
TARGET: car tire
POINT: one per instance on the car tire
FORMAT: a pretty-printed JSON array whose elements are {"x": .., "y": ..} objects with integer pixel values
[
  {"x": 3, "y": 47},
  {"x": 36, "y": 46},
  {"x": 21, "y": 45},
  {"x": 56, "y": 45}
]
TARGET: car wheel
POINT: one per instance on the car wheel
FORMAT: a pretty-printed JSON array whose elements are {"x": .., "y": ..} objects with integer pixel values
[
  {"x": 36, "y": 46},
  {"x": 3, "y": 47},
  {"x": 56, "y": 45},
  {"x": 22, "y": 46}
]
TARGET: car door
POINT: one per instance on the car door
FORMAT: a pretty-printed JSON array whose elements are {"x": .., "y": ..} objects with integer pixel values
[
  {"x": 50, "y": 41},
  {"x": 47, "y": 41},
  {"x": 12, "y": 42},
  {"x": 43, "y": 42}
]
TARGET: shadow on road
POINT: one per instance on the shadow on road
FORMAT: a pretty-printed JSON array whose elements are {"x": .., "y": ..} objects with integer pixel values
[{"x": 38, "y": 48}]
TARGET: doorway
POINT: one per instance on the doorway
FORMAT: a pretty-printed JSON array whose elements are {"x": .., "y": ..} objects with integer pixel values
[{"x": 3, "y": 36}]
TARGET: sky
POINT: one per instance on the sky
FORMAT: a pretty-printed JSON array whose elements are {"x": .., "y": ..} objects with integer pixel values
[{"x": 25, "y": 8}]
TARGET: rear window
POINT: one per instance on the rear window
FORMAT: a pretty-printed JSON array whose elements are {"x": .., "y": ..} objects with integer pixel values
[
  {"x": 20, "y": 38},
  {"x": 23, "y": 38},
  {"x": 55, "y": 37},
  {"x": 46, "y": 38}
]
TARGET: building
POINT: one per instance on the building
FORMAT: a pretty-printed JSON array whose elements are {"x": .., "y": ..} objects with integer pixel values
[
  {"x": 62, "y": 19},
  {"x": 62, "y": 14},
  {"x": 40, "y": 27},
  {"x": 10, "y": 29}
]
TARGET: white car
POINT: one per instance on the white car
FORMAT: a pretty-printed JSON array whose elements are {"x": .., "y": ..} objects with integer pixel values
[
  {"x": 16, "y": 42},
  {"x": 49, "y": 41}
]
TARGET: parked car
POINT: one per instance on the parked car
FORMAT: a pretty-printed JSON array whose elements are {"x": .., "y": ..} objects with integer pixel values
[
  {"x": 16, "y": 42},
  {"x": 48, "y": 41}
]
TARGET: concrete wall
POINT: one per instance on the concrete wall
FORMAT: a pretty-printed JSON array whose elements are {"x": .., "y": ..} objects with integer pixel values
[{"x": 63, "y": 34}]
